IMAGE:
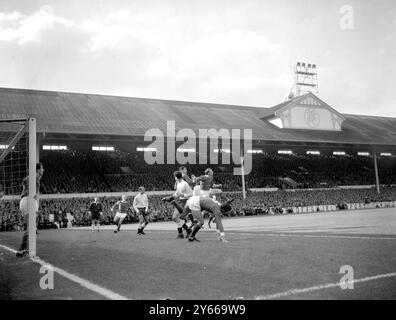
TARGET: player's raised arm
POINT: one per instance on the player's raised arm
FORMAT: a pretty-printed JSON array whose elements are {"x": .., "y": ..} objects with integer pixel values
[
  {"x": 90, "y": 208},
  {"x": 200, "y": 178},
  {"x": 187, "y": 192},
  {"x": 116, "y": 204},
  {"x": 188, "y": 179},
  {"x": 197, "y": 190},
  {"x": 146, "y": 199}
]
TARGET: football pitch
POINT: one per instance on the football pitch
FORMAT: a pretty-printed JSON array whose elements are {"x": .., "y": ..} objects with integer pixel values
[{"x": 297, "y": 256}]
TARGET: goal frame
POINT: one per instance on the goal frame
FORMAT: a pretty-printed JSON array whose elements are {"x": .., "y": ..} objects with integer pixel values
[{"x": 28, "y": 126}]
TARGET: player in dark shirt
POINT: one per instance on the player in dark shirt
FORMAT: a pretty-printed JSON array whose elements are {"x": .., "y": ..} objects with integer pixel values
[
  {"x": 95, "y": 210},
  {"x": 23, "y": 206},
  {"x": 206, "y": 183},
  {"x": 122, "y": 211},
  {"x": 185, "y": 176}
]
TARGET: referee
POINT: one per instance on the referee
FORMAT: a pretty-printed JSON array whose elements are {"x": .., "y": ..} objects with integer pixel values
[{"x": 95, "y": 209}]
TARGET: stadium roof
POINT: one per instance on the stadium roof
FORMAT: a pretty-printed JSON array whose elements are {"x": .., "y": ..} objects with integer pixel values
[{"x": 91, "y": 114}]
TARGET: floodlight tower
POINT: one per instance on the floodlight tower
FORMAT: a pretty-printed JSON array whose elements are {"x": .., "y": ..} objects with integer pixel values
[{"x": 305, "y": 79}]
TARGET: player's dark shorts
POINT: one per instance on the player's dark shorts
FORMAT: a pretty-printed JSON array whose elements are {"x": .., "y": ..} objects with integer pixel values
[
  {"x": 142, "y": 211},
  {"x": 95, "y": 216},
  {"x": 182, "y": 202}
]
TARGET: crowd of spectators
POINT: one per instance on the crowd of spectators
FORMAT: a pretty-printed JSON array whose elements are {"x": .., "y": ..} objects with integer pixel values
[
  {"x": 303, "y": 198},
  {"x": 56, "y": 211},
  {"x": 71, "y": 171}
]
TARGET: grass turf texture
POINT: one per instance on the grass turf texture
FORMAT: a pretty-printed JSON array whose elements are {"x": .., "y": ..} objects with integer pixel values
[{"x": 265, "y": 255}]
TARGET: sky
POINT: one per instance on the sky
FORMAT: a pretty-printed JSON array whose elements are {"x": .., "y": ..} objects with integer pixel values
[{"x": 232, "y": 52}]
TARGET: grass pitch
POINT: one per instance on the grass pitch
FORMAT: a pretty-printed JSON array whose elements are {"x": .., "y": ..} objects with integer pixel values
[{"x": 268, "y": 257}]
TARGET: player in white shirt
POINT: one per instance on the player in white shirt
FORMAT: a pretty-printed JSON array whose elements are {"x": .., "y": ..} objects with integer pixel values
[
  {"x": 195, "y": 205},
  {"x": 70, "y": 219},
  {"x": 140, "y": 205},
  {"x": 207, "y": 193},
  {"x": 183, "y": 192}
]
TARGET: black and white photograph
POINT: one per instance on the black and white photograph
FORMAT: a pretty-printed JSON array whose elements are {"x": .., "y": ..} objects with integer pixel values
[{"x": 197, "y": 155}]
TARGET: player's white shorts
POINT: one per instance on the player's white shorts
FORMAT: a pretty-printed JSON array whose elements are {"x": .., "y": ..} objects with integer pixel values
[
  {"x": 23, "y": 205},
  {"x": 120, "y": 215},
  {"x": 193, "y": 203},
  {"x": 197, "y": 191},
  {"x": 205, "y": 193}
]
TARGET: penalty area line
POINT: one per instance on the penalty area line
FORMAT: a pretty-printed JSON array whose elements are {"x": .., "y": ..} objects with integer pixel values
[
  {"x": 74, "y": 278},
  {"x": 321, "y": 287}
]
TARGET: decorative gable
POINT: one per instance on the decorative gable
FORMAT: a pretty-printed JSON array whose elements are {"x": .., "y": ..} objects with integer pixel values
[{"x": 306, "y": 112}]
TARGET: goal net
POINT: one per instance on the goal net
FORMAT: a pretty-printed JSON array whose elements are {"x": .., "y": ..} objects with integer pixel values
[{"x": 18, "y": 161}]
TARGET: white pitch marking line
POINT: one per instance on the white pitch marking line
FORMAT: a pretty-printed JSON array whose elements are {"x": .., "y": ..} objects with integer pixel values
[
  {"x": 232, "y": 232},
  {"x": 310, "y": 236},
  {"x": 321, "y": 287},
  {"x": 82, "y": 282},
  {"x": 259, "y": 233}
]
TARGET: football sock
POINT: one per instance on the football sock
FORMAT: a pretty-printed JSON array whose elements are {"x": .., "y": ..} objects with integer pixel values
[
  {"x": 24, "y": 243},
  {"x": 195, "y": 230}
]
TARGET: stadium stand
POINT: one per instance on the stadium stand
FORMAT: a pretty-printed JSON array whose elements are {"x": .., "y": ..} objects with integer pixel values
[
  {"x": 80, "y": 121},
  {"x": 85, "y": 172}
]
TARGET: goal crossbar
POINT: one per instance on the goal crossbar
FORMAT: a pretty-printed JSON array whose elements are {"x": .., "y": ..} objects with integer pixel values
[{"x": 14, "y": 120}]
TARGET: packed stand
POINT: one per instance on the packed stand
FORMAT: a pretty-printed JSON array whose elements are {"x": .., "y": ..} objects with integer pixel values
[
  {"x": 85, "y": 172},
  {"x": 55, "y": 212}
]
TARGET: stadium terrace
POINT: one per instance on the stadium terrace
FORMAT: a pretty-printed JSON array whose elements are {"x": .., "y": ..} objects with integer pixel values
[{"x": 189, "y": 147}]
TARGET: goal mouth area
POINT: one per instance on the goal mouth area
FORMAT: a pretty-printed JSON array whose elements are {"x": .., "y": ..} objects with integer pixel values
[{"x": 18, "y": 163}]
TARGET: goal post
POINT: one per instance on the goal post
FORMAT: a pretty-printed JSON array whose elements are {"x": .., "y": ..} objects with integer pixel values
[
  {"x": 243, "y": 177},
  {"x": 33, "y": 193},
  {"x": 18, "y": 139}
]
